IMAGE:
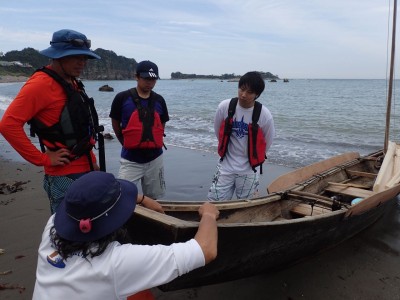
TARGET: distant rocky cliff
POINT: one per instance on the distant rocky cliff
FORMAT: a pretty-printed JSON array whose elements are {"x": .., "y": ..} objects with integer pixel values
[{"x": 110, "y": 67}]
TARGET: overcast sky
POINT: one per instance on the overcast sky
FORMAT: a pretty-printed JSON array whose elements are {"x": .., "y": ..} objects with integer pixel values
[{"x": 289, "y": 38}]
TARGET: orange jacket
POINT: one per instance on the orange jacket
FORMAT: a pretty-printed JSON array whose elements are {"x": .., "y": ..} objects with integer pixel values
[{"x": 43, "y": 98}]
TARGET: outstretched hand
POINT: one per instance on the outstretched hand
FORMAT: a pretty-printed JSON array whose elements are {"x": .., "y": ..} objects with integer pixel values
[
  {"x": 207, "y": 234},
  {"x": 152, "y": 204},
  {"x": 208, "y": 208}
]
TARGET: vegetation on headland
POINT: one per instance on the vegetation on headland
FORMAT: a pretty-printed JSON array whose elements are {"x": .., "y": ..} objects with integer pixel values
[
  {"x": 179, "y": 75},
  {"x": 110, "y": 67}
]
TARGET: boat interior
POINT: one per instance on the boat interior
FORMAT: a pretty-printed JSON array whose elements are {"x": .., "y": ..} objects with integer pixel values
[{"x": 332, "y": 189}]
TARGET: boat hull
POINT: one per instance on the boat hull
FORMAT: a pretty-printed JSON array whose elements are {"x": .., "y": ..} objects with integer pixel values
[
  {"x": 308, "y": 212},
  {"x": 248, "y": 249}
]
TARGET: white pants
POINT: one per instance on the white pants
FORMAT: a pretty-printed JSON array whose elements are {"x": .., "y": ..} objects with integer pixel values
[
  {"x": 151, "y": 176},
  {"x": 224, "y": 185}
]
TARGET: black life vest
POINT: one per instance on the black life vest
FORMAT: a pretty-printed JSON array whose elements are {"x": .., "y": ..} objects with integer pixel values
[
  {"x": 77, "y": 125},
  {"x": 144, "y": 129},
  {"x": 256, "y": 146}
]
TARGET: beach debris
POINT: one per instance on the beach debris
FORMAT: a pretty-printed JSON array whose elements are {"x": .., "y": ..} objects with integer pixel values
[
  {"x": 7, "y": 201},
  {"x": 7, "y": 286},
  {"x": 108, "y": 136},
  {"x": 2, "y": 251},
  {"x": 6, "y": 272},
  {"x": 19, "y": 256},
  {"x": 9, "y": 188}
]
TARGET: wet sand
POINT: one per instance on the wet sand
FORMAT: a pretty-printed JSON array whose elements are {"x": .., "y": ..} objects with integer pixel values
[{"x": 365, "y": 267}]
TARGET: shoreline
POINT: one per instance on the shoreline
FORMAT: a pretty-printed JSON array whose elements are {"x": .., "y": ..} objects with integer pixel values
[{"x": 12, "y": 78}]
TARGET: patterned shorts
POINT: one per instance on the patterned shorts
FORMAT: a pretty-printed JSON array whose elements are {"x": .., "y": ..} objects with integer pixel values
[
  {"x": 224, "y": 185},
  {"x": 56, "y": 187}
]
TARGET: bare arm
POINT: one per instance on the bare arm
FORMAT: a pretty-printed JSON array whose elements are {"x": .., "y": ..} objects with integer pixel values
[
  {"x": 149, "y": 203},
  {"x": 117, "y": 130},
  {"x": 207, "y": 234}
]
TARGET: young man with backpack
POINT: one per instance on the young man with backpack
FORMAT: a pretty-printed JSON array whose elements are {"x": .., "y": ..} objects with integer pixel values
[
  {"x": 54, "y": 102},
  {"x": 138, "y": 118},
  {"x": 245, "y": 131}
]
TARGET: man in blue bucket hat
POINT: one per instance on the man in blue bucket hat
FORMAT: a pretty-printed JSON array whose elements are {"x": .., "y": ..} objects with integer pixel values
[
  {"x": 66, "y": 42},
  {"x": 64, "y": 118},
  {"x": 81, "y": 257}
]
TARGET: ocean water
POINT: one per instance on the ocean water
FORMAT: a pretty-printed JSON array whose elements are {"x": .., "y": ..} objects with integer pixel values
[{"x": 314, "y": 119}]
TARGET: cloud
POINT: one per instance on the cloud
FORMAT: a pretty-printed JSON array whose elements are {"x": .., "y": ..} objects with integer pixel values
[{"x": 321, "y": 39}]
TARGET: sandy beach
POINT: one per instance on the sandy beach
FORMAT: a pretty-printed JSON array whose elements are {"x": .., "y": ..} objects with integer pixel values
[
  {"x": 365, "y": 267},
  {"x": 10, "y": 78}
]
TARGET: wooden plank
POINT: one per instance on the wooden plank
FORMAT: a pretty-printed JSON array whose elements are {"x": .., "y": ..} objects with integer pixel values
[
  {"x": 361, "y": 186},
  {"x": 350, "y": 191},
  {"x": 361, "y": 174},
  {"x": 163, "y": 218},
  {"x": 312, "y": 197},
  {"x": 290, "y": 179},
  {"x": 303, "y": 209},
  {"x": 221, "y": 205}
]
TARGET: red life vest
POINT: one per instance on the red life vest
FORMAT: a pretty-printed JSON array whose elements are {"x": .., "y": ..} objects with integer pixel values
[
  {"x": 256, "y": 146},
  {"x": 144, "y": 129}
]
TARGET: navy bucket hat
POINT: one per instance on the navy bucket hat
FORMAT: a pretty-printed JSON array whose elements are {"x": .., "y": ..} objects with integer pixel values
[
  {"x": 67, "y": 42},
  {"x": 94, "y": 206}
]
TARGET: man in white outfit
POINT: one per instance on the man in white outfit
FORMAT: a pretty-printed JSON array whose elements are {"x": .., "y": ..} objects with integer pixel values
[
  {"x": 80, "y": 256},
  {"x": 235, "y": 170}
]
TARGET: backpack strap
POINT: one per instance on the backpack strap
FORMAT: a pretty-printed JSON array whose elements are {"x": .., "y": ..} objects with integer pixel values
[
  {"x": 135, "y": 98},
  {"x": 232, "y": 107},
  {"x": 223, "y": 144},
  {"x": 228, "y": 120},
  {"x": 256, "y": 112},
  {"x": 254, "y": 119},
  {"x": 141, "y": 109},
  {"x": 67, "y": 87}
]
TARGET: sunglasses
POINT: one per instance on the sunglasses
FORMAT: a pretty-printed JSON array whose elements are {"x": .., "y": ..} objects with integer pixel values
[{"x": 76, "y": 42}]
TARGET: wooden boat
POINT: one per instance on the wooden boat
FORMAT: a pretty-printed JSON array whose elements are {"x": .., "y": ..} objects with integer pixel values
[
  {"x": 268, "y": 233},
  {"x": 306, "y": 211}
]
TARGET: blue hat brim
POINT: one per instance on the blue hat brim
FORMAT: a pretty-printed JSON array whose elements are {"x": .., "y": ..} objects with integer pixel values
[
  {"x": 68, "y": 228},
  {"x": 59, "y": 53}
]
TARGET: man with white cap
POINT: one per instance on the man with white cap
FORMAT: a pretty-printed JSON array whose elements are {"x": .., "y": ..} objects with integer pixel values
[
  {"x": 81, "y": 257},
  {"x": 54, "y": 102}
]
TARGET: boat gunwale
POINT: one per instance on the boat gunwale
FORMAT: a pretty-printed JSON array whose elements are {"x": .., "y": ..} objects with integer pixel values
[
  {"x": 193, "y": 206},
  {"x": 179, "y": 223}
]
